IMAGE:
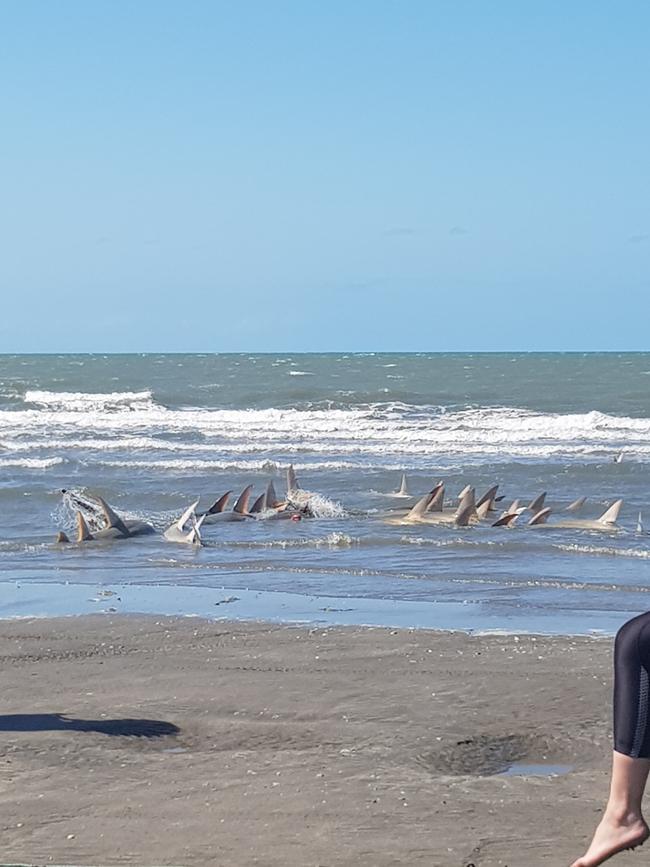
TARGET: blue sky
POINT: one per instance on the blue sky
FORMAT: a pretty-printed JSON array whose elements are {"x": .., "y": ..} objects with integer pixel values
[{"x": 367, "y": 175}]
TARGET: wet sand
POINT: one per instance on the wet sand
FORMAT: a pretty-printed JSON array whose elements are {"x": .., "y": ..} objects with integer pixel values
[{"x": 131, "y": 740}]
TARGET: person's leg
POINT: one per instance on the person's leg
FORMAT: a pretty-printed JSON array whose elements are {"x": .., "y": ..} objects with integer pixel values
[{"x": 623, "y": 826}]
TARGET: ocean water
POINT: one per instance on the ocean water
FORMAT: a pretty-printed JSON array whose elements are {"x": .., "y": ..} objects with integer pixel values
[{"x": 151, "y": 433}]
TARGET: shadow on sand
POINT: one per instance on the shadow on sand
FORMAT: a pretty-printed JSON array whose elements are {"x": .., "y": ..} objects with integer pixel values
[{"x": 49, "y": 722}]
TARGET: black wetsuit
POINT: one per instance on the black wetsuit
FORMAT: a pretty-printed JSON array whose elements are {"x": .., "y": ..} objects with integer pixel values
[{"x": 631, "y": 682}]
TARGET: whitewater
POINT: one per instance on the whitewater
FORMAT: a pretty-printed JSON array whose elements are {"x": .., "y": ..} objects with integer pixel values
[{"x": 152, "y": 433}]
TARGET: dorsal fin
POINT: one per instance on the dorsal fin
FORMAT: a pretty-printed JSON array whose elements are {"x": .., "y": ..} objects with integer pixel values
[
  {"x": 241, "y": 506},
  {"x": 513, "y": 507},
  {"x": 464, "y": 492},
  {"x": 576, "y": 505},
  {"x": 610, "y": 516},
  {"x": 537, "y": 504},
  {"x": 259, "y": 505},
  {"x": 540, "y": 517},
  {"x": 421, "y": 506},
  {"x": 112, "y": 519},
  {"x": 488, "y": 496},
  {"x": 187, "y": 514},
  {"x": 61, "y": 537},
  {"x": 271, "y": 497},
  {"x": 83, "y": 531},
  {"x": 292, "y": 481},
  {"x": 403, "y": 488},
  {"x": 507, "y": 520},
  {"x": 639, "y": 523},
  {"x": 220, "y": 504},
  {"x": 437, "y": 500},
  {"x": 483, "y": 510},
  {"x": 468, "y": 501}
]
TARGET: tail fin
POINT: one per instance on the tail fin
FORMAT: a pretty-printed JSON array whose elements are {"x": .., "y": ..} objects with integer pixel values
[
  {"x": 610, "y": 516},
  {"x": 83, "y": 531},
  {"x": 241, "y": 506},
  {"x": 194, "y": 536},
  {"x": 220, "y": 504},
  {"x": 639, "y": 524},
  {"x": 259, "y": 505},
  {"x": 576, "y": 505},
  {"x": 187, "y": 514},
  {"x": 464, "y": 492},
  {"x": 112, "y": 519},
  {"x": 540, "y": 517},
  {"x": 403, "y": 488},
  {"x": 537, "y": 504},
  {"x": 513, "y": 507},
  {"x": 438, "y": 498},
  {"x": 292, "y": 481},
  {"x": 467, "y": 500}
]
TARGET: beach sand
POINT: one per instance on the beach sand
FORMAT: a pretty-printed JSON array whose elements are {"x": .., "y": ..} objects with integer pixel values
[{"x": 191, "y": 742}]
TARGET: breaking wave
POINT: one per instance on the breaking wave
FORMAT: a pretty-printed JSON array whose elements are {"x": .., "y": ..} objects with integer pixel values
[
  {"x": 30, "y": 463},
  {"x": 79, "y": 401}
]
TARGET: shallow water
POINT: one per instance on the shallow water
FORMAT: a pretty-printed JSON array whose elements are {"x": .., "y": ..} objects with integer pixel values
[{"x": 152, "y": 433}]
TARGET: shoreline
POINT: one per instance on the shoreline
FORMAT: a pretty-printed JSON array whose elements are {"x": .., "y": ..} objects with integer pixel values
[
  {"x": 177, "y": 741},
  {"x": 31, "y": 598}
]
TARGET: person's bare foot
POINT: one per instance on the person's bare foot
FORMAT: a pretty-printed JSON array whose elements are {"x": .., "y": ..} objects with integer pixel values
[{"x": 612, "y": 836}]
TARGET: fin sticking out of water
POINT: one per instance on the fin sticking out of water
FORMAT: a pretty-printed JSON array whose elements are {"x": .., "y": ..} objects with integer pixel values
[
  {"x": 403, "y": 488},
  {"x": 220, "y": 504},
  {"x": 540, "y": 517},
  {"x": 194, "y": 536},
  {"x": 639, "y": 524},
  {"x": 507, "y": 520},
  {"x": 187, "y": 514},
  {"x": 83, "y": 531},
  {"x": 483, "y": 510},
  {"x": 576, "y": 505},
  {"x": 271, "y": 497},
  {"x": 437, "y": 500},
  {"x": 241, "y": 506},
  {"x": 420, "y": 507},
  {"x": 513, "y": 507},
  {"x": 61, "y": 538},
  {"x": 292, "y": 481},
  {"x": 618, "y": 459},
  {"x": 488, "y": 497},
  {"x": 259, "y": 505},
  {"x": 466, "y": 511},
  {"x": 464, "y": 492},
  {"x": 537, "y": 504},
  {"x": 610, "y": 516},
  {"x": 112, "y": 519},
  {"x": 468, "y": 500}
]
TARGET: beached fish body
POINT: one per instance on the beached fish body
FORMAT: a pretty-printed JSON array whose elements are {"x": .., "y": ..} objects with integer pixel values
[
  {"x": 110, "y": 525},
  {"x": 605, "y": 524},
  {"x": 187, "y": 530},
  {"x": 419, "y": 514}
]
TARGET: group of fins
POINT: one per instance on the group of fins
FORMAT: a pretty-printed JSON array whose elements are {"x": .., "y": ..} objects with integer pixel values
[
  {"x": 96, "y": 520},
  {"x": 431, "y": 509}
]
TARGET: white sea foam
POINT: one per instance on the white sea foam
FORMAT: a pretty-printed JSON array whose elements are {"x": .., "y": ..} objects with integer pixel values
[
  {"x": 79, "y": 401},
  {"x": 606, "y": 551},
  {"x": 378, "y": 434},
  {"x": 30, "y": 463}
]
